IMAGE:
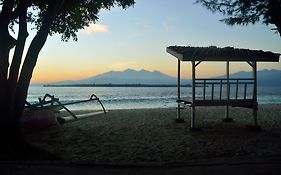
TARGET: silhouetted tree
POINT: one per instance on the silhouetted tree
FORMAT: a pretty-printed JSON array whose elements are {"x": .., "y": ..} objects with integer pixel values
[
  {"x": 243, "y": 12},
  {"x": 64, "y": 17}
]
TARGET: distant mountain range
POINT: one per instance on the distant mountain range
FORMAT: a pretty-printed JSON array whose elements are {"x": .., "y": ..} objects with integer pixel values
[
  {"x": 144, "y": 77},
  {"x": 128, "y": 76},
  {"x": 266, "y": 77}
]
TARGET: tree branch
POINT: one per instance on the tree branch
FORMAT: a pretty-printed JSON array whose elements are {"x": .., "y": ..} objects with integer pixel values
[
  {"x": 22, "y": 35},
  {"x": 18, "y": 10},
  {"x": 7, "y": 8},
  {"x": 7, "y": 42},
  {"x": 32, "y": 56}
]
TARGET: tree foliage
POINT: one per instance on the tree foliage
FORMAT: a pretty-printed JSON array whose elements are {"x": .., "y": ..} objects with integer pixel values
[
  {"x": 244, "y": 12},
  {"x": 69, "y": 15}
]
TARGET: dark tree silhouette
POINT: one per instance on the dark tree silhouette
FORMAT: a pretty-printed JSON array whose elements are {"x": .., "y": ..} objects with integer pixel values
[
  {"x": 243, "y": 12},
  {"x": 64, "y": 17}
]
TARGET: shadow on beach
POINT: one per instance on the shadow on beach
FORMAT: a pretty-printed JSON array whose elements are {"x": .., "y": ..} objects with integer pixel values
[
  {"x": 151, "y": 135},
  {"x": 146, "y": 138}
]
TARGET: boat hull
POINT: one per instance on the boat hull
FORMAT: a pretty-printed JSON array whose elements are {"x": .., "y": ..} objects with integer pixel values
[{"x": 38, "y": 120}]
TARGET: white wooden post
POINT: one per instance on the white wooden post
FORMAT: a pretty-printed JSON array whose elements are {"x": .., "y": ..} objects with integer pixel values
[
  {"x": 255, "y": 108},
  {"x": 227, "y": 90},
  {"x": 179, "y": 96},
  {"x": 227, "y": 119},
  {"x": 192, "y": 125}
]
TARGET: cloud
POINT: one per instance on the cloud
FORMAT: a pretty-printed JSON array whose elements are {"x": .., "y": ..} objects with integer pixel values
[{"x": 95, "y": 28}]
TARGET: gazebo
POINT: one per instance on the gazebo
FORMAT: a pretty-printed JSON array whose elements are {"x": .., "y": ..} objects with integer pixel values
[{"x": 220, "y": 91}]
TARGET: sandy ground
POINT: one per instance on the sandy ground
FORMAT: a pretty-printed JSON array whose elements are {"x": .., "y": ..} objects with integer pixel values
[
  {"x": 216, "y": 166},
  {"x": 151, "y": 135},
  {"x": 148, "y": 141}
]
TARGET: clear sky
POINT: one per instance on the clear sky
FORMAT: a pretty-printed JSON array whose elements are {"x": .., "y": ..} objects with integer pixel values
[{"x": 137, "y": 38}]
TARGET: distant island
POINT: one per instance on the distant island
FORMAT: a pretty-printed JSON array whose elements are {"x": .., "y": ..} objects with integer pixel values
[
  {"x": 126, "y": 78},
  {"x": 144, "y": 78}
]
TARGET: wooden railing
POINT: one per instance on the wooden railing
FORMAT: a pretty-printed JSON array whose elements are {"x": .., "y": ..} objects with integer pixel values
[{"x": 228, "y": 85}]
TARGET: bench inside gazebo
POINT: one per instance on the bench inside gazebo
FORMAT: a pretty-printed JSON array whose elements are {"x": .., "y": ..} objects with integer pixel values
[{"x": 235, "y": 92}]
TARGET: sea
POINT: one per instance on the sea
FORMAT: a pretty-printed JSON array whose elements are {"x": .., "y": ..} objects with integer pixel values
[{"x": 132, "y": 97}]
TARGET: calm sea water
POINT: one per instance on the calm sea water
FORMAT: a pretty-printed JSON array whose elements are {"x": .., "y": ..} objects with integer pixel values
[{"x": 131, "y": 97}]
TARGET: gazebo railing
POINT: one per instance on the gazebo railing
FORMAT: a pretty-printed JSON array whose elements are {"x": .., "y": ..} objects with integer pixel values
[{"x": 216, "y": 89}]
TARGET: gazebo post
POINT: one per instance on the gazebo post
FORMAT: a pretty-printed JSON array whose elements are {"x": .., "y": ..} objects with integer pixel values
[
  {"x": 179, "y": 119},
  {"x": 227, "y": 119},
  {"x": 192, "y": 124},
  {"x": 255, "y": 108}
]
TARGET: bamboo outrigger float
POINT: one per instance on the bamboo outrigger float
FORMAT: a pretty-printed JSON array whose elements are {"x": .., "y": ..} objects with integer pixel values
[
  {"x": 196, "y": 55},
  {"x": 49, "y": 106}
]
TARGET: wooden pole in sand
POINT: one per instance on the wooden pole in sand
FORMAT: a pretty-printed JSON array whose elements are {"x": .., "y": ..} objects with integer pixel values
[
  {"x": 255, "y": 108},
  {"x": 192, "y": 124},
  {"x": 227, "y": 119},
  {"x": 179, "y": 96}
]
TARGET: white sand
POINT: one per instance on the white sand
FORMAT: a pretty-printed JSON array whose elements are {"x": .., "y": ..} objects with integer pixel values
[{"x": 151, "y": 135}]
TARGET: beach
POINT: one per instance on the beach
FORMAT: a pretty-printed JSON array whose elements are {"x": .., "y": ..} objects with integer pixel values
[
  {"x": 149, "y": 141},
  {"x": 145, "y": 136}
]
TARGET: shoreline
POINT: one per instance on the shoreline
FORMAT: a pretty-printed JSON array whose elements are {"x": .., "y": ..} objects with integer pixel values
[
  {"x": 170, "y": 108},
  {"x": 115, "y": 85}
]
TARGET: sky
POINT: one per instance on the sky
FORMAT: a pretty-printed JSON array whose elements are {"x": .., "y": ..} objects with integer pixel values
[{"x": 137, "y": 38}]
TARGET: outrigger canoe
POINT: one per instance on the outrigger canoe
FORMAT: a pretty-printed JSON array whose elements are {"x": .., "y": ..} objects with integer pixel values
[{"x": 46, "y": 113}]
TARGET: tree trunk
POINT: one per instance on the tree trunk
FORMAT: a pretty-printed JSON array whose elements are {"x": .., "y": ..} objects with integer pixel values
[
  {"x": 9, "y": 128},
  {"x": 13, "y": 91},
  {"x": 16, "y": 61},
  {"x": 27, "y": 70},
  {"x": 7, "y": 42},
  {"x": 31, "y": 59}
]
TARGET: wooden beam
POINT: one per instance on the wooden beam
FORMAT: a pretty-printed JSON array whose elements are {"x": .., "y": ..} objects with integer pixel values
[
  {"x": 179, "y": 56},
  {"x": 179, "y": 96},
  {"x": 221, "y": 54},
  {"x": 237, "y": 86},
  {"x": 255, "y": 81},
  {"x": 255, "y": 92},
  {"x": 250, "y": 64},
  {"x": 227, "y": 90},
  {"x": 192, "y": 124},
  {"x": 232, "y": 102},
  {"x": 213, "y": 85},
  {"x": 245, "y": 91},
  {"x": 197, "y": 63},
  {"x": 204, "y": 90},
  {"x": 220, "y": 89},
  {"x": 217, "y": 58}
]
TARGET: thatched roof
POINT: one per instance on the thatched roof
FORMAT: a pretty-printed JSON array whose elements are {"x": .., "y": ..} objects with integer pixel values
[{"x": 213, "y": 53}]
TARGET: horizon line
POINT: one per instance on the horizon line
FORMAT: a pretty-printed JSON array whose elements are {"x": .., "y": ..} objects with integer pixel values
[{"x": 138, "y": 70}]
